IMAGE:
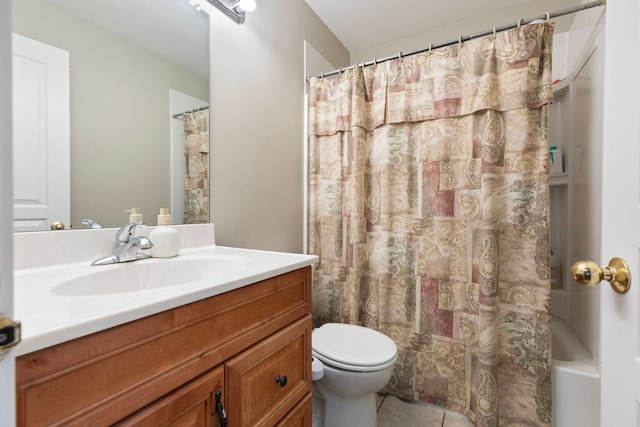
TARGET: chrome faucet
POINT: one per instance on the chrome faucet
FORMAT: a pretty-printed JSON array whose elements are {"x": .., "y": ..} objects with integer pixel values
[
  {"x": 126, "y": 246},
  {"x": 91, "y": 223}
]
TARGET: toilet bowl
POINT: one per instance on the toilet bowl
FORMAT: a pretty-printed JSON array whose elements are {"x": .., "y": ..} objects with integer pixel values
[{"x": 357, "y": 362}]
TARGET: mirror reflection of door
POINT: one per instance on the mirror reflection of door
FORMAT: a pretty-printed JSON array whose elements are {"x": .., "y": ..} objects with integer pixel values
[{"x": 40, "y": 134}]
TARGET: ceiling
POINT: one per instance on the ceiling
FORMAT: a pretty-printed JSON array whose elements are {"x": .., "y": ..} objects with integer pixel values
[
  {"x": 166, "y": 26},
  {"x": 162, "y": 26},
  {"x": 362, "y": 24}
]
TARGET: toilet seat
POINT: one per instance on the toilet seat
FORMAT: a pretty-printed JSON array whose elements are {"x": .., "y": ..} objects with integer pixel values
[{"x": 353, "y": 348}]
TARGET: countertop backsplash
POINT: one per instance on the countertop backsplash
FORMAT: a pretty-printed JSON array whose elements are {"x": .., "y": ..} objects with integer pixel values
[{"x": 46, "y": 248}]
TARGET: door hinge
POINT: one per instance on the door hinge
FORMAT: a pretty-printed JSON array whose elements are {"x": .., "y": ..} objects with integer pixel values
[{"x": 10, "y": 335}]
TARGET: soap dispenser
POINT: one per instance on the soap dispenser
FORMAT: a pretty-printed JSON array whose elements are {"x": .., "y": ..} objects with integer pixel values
[
  {"x": 165, "y": 239},
  {"x": 135, "y": 215}
]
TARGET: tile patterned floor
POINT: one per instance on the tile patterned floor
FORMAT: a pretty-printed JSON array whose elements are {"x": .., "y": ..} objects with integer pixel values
[{"x": 396, "y": 412}]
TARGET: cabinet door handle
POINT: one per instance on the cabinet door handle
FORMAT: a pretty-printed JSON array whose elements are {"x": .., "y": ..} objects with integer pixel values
[
  {"x": 282, "y": 380},
  {"x": 220, "y": 409}
]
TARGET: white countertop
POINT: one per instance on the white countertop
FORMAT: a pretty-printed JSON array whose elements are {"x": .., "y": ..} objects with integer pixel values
[{"x": 49, "y": 319}]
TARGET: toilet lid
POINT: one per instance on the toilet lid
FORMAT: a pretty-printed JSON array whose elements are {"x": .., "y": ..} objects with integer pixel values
[{"x": 353, "y": 345}]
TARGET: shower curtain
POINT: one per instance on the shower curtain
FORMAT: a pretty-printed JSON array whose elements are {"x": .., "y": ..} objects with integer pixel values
[
  {"x": 196, "y": 152},
  {"x": 429, "y": 208}
]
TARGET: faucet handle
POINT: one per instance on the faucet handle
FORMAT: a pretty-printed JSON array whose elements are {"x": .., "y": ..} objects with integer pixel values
[
  {"x": 144, "y": 242},
  {"x": 91, "y": 223},
  {"x": 127, "y": 231}
]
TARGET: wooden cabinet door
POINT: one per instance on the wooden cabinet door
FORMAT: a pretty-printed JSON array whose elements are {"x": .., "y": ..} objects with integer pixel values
[
  {"x": 266, "y": 381},
  {"x": 192, "y": 405},
  {"x": 300, "y": 416}
]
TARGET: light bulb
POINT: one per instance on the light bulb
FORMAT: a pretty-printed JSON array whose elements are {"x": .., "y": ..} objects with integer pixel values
[{"x": 247, "y": 5}]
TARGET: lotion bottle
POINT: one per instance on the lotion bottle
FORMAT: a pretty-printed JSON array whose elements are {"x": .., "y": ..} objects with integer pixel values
[
  {"x": 165, "y": 239},
  {"x": 555, "y": 160}
]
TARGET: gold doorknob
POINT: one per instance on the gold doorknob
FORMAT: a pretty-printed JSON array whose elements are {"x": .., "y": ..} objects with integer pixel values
[
  {"x": 9, "y": 334},
  {"x": 617, "y": 273},
  {"x": 57, "y": 225}
]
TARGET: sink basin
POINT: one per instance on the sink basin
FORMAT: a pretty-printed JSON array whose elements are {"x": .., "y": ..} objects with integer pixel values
[{"x": 149, "y": 274}]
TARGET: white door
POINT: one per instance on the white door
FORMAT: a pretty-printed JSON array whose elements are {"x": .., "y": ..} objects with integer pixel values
[
  {"x": 7, "y": 383},
  {"x": 41, "y": 135},
  {"x": 620, "y": 318}
]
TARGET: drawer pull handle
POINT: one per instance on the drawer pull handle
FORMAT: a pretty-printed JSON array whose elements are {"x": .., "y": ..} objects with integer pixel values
[
  {"x": 220, "y": 409},
  {"x": 282, "y": 380}
]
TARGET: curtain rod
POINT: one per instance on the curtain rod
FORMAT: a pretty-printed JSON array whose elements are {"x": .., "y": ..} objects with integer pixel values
[
  {"x": 461, "y": 39},
  {"x": 175, "y": 116}
]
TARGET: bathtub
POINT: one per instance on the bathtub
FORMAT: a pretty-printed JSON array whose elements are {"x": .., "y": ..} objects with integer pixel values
[{"x": 576, "y": 380}]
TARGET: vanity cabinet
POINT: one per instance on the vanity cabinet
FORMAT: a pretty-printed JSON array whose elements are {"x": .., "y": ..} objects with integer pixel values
[{"x": 251, "y": 346}]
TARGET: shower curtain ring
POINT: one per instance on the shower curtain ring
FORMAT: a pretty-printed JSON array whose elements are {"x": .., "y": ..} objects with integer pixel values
[
  {"x": 430, "y": 47},
  {"x": 520, "y": 22},
  {"x": 494, "y": 32},
  {"x": 460, "y": 41},
  {"x": 548, "y": 16},
  {"x": 400, "y": 55}
]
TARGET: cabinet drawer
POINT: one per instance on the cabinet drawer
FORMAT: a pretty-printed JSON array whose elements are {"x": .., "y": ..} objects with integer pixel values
[
  {"x": 270, "y": 378},
  {"x": 191, "y": 405}
]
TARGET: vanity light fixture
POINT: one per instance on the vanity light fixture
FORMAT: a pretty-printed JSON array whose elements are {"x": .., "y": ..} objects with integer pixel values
[
  {"x": 234, "y": 9},
  {"x": 196, "y": 5},
  {"x": 245, "y": 5}
]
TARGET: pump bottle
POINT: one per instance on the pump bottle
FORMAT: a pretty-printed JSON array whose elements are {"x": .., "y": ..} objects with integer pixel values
[
  {"x": 165, "y": 238},
  {"x": 135, "y": 215}
]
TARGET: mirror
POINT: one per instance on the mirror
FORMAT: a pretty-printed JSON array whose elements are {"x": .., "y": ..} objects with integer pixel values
[{"x": 133, "y": 64}]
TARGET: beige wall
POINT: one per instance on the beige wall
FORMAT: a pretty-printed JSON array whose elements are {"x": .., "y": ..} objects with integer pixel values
[
  {"x": 257, "y": 93},
  {"x": 119, "y": 114}
]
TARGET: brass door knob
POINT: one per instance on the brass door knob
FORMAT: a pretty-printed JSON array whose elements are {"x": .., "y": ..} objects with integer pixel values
[
  {"x": 58, "y": 225},
  {"x": 10, "y": 335},
  {"x": 617, "y": 273}
]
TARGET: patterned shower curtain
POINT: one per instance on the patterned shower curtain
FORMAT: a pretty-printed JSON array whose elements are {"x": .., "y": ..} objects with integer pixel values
[
  {"x": 196, "y": 152},
  {"x": 429, "y": 208}
]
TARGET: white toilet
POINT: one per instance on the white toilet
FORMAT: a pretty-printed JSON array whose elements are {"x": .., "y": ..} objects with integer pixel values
[{"x": 358, "y": 362}]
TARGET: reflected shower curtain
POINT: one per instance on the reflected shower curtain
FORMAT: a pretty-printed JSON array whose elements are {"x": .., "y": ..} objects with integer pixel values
[
  {"x": 196, "y": 152},
  {"x": 429, "y": 208}
]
